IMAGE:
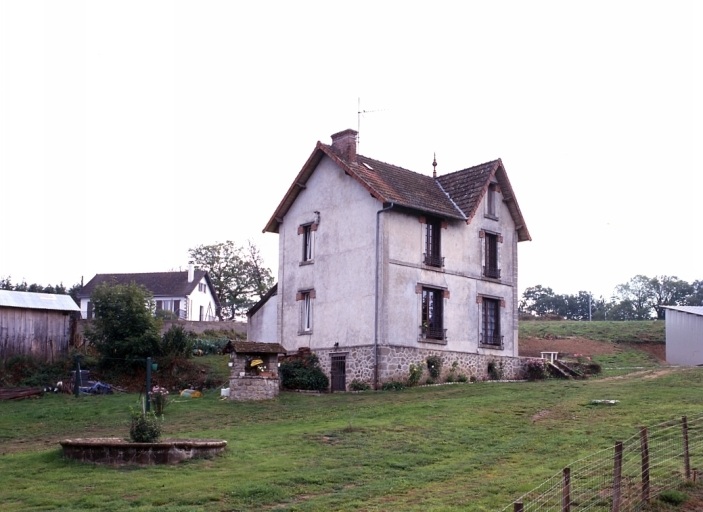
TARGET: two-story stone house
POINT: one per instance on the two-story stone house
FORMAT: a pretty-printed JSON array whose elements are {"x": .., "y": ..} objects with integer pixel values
[{"x": 380, "y": 267}]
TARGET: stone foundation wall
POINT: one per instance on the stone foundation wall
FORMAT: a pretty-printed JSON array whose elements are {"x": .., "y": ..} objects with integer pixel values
[
  {"x": 253, "y": 388},
  {"x": 395, "y": 361}
]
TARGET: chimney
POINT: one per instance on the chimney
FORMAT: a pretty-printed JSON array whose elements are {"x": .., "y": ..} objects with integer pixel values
[
  {"x": 345, "y": 144},
  {"x": 191, "y": 272}
]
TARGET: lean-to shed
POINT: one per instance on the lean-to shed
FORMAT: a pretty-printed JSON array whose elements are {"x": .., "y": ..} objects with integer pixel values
[
  {"x": 35, "y": 324},
  {"x": 684, "y": 335}
]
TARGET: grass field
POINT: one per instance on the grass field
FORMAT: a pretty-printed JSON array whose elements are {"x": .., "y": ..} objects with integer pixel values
[{"x": 471, "y": 446}]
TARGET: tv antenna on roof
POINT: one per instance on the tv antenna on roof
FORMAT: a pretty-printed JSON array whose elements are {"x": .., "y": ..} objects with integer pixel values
[{"x": 359, "y": 113}]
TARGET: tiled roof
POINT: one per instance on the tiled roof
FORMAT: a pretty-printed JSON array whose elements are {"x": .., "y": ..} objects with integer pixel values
[
  {"x": 253, "y": 347},
  {"x": 160, "y": 284},
  {"x": 454, "y": 196}
]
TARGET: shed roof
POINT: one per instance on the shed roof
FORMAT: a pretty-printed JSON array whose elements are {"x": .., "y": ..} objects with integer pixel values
[
  {"x": 32, "y": 300},
  {"x": 254, "y": 347},
  {"x": 694, "y": 310}
]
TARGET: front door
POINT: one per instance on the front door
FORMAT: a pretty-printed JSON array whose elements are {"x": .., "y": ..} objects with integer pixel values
[{"x": 338, "y": 372}]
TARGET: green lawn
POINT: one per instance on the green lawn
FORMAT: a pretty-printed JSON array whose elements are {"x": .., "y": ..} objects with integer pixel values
[
  {"x": 650, "y": 331},
  {"x": 453, "y": 447}
]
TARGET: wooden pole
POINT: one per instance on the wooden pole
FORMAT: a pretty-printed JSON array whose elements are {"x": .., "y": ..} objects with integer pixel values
[
  {"x": 566, "y": 490},
  {"x": 686, "y": 454},
  {"x": 644, "y": 445},
  {"x": 148, "y": 384},
  {"x": 617, "y": 477},
  {"x": 517, "y": 506}
]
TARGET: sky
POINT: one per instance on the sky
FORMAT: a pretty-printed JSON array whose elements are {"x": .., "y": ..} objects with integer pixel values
[{"x": 132, "y": 131}]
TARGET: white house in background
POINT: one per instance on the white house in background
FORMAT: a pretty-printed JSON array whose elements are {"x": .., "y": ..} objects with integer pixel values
[
  {"x": 380, "y": 267},
  {"x": 189, "y": 295},
  {"x": 684, "y": 335}
]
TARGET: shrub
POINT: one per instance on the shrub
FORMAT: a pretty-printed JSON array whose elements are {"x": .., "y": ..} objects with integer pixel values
[
  {"x": 177, "y": 342},
  {"x": 434, "y": 366},
  {"x": 303, "y": 373},
  {"x": 450, "y": 377},
  {"x": 535, "y": 370},
  {"x": 359, "y": 385},
  {"x": 462, "y": 378},
  {"x": 415, "y": 371},
  {"x": 145, "y": 427},
  {"x": 495, "y": 370},
  {"x": 392, "y": 386},
  {"x": 207, "y": 346},
  {"x": 673, "y": 497},
  {"x": 593, "y": 369}
]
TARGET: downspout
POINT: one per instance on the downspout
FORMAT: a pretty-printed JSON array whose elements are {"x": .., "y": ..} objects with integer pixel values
[{"x": 375, "y": 320}]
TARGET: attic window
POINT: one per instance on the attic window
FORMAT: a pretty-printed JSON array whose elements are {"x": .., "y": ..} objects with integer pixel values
[
  {"x": 491, "y": 211},
  {"x": 368, "y": 166}
]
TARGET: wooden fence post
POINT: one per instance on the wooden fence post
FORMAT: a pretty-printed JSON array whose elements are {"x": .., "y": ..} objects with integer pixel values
[
  {"x": 644, "y": 445},
  {"x": 686, "y": 455},
  {"x": 566, "y": 490},
  {"x": 517, "y": 506},
  {"x": 617, "y": 477}
]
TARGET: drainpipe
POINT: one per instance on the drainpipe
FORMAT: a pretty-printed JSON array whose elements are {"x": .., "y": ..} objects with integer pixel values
[{"x": 375, "y": 320}]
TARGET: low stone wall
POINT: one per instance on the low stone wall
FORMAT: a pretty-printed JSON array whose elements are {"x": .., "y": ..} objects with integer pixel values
[
  {"x": 395, "y": 361},
  {"x": 118, "y": 451},
  {"x": 253, "y": 388}
]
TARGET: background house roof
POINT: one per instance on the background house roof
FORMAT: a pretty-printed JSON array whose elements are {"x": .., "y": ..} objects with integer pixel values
[
  {"x": 160, "y": 284},
  {"x": 32, "y": 300},
  {"x": 454, "y": 196}
]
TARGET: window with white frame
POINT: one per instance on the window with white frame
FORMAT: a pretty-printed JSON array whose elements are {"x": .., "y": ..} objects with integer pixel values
[
  {"x": 305, "y": 299},
  {"x": 308, "y": 240}
]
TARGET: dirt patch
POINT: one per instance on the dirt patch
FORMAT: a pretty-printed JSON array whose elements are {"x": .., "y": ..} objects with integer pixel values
[{"x": 531, "y": 347}]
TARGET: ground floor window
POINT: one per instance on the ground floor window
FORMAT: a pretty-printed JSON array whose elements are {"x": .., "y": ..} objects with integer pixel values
[
  {"x": 432, "y": 313},
  {"x": 490, "y": 323}
]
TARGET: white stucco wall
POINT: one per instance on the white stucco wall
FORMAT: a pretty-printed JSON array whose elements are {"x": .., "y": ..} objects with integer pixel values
[
  {"x": 263, "y": 325},
  {"x": 684, "y": 337},
  {"x": 462, "y": 248},
  {"x": 342, "y": 271}
]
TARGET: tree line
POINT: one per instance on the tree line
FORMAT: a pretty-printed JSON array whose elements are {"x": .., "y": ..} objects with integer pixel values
[
  {"x": 641, "y": 298},
  {"x": 59, "y": 289}
]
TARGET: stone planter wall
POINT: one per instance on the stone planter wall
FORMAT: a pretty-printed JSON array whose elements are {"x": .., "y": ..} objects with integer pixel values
[
  {"x": 253, "y": 388},
  {"x": 118, "y": 451}
]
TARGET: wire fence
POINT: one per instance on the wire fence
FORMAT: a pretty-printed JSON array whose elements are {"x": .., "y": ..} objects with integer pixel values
[{"x": 624, "y": 478}]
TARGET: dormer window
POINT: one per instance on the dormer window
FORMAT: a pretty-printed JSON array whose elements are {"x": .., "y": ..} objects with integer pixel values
[{"x": 433, "y": 242}]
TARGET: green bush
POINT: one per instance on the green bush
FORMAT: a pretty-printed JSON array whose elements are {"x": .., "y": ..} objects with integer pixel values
[
  {"x": 207, "y": 346},
  {"x": 177, "y": 342},
  {"x": 462, "y": 378},
  {"x": 392, "y": 385},
  {"x": 25, "y": 370},
  {"x": 673, "y": 497},
  {"x": 303, "y": 373},
  {"x": 535, "y": 370},
  {"x": 495, "y": 370},
  {"x": 144, "y": 428},
  {"x": 434, "y": 366},
  {"x": 415, "y": 374},
  {"x": 359, "y": 385}
]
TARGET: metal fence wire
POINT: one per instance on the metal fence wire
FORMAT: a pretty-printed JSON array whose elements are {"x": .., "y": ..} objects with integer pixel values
[{"x": 624, "y": 478}]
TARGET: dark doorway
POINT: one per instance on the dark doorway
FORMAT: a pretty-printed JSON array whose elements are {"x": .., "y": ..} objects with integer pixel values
[{"x": 339, "y": 372}]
